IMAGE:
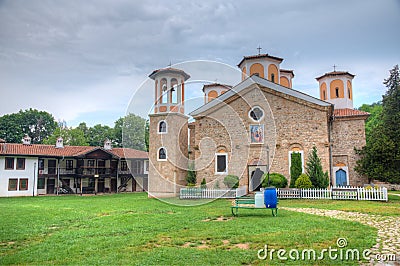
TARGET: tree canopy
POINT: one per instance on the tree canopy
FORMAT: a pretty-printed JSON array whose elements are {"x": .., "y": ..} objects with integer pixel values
[
  {"x": 380, "y": 158},
  {"x": 318, "y": 178},
  {"x": 36, "y": 124}
]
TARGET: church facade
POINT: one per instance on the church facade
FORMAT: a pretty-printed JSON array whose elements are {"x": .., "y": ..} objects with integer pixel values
[{"x": 252, "y": 127}]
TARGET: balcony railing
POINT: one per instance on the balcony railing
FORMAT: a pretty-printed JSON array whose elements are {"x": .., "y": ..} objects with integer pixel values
[{"x": 86, "y": 171}]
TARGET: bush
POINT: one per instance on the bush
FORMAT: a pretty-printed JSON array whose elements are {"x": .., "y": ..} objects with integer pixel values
[
  {"x": 303, "y": 182},
  {"x": 231, "y": 181},
  {"x": 275, "y": 180},
  {"x": 191, "y": 176},
  {"x": 295, "y": 167},
  {"x": 216, "y": 185},
  {"x": 203, "y": 183}
]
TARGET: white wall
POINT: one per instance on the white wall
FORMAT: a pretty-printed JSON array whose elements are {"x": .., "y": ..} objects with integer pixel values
[{"x": 28, "y": 173}]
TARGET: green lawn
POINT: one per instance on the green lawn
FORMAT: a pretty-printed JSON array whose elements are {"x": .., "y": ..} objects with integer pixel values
[{"x": 132, "y": 229}]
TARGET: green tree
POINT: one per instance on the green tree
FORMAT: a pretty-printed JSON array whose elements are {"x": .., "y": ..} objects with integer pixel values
[
  {"x": 374, "y": 118},
  {"x": 203, "y": 184},
  {"x": 37, "y": 124},
  {"x": 130, "y": 132},
  {"x": 314, "y": 170},
  {"x": 191, "y": 178},
  {"x": 98, "y": 134},
  {"x": 71, "y": 137},
  {"x": 295, "y": 167},
  {"x": 303, "y": 181},
  {"x": 380, "y": 158}
]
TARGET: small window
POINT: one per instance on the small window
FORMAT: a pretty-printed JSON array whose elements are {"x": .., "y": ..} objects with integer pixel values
[
  {"x": 221, "y": 163},
  {"x": 273, "y": 77},
  {"x": 349, "y": 93},
  {"x": 256, "y": 113},
  {"x": 69, "y": 164},
  {"x": 41, "y": 164},
  {"x": 162, "y": 127},
  {"x": 23, "y": 184},
  {"x": 324, "y": 92},
  {"x": 20, "y": 163},
  {"x": 337, "y": 92},
  {"x": 40, "y": 184},
  {"x": 162, "y": 154},
  {"x": 124, "y": 166},
  {"x": 9, "y": 163},
  {"x": 146, "y": 167},
  {"x": 138, "y": 167},
  {"x": 12, "y": 184}
]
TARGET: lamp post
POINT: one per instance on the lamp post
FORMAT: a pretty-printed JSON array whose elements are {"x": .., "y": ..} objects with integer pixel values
[{"x": 268, "y": 163}]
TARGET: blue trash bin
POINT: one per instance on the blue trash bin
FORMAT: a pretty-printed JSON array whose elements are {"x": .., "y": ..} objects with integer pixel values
[{"x": 270, "y": 198}]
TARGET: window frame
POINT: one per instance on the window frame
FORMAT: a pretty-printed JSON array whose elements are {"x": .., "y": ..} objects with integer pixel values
[
  {"x": 158, "y": 154},
  {"x": 145, "y": 166},
  {"x": 124, "y": 165},
  {"x": 252, "y": 110},
  {"x": 23, "y": 160},
  {"x": 5, "y": 163},
  {"x": 166, "y": 127},
  {"x": 15, "y": 188},
  {"x": 302, "y": 159},
  {"x": 20, "y": 182},
  {"x": 41, "y": 184},
  {"x": 69, "y": 164},
  {"x": 225, "y": 154}
]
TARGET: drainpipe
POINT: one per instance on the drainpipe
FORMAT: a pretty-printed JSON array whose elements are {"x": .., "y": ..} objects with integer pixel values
[
  {"x": 330, "y": 127},
  {"x": 34, "y": 178},
  {"x": 118, "y": 172}
]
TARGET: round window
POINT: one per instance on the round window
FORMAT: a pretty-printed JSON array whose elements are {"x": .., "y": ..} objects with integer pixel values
[{"x": 256, "y": 113}]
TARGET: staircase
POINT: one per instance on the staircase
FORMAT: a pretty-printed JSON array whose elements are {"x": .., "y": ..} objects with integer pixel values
[{"x": 124, "y": 183}]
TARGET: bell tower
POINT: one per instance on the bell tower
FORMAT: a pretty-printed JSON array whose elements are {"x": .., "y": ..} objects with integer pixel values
[
  {"x": 168, "y": 140},
  {"x": 336, "y": 87}
]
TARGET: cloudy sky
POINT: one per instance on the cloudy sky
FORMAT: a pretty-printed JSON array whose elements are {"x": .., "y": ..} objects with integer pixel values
[{"x": 84, "y": 60}]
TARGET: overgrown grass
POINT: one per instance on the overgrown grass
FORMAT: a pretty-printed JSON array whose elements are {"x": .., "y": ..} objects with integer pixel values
[{"x": 132, "y": 229}]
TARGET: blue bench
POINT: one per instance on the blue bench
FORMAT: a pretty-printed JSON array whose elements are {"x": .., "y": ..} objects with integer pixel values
[{"x": 270, "y": 202}]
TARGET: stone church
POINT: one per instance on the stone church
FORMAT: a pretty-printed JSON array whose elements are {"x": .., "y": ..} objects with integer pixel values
[{"x": 252, "y": 128}]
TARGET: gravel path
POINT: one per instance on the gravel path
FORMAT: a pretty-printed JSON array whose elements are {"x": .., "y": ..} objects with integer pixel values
[{"x": 387, "y": 240}]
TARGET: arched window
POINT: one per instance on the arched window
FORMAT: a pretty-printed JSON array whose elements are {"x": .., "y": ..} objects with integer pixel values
[
  {"x": 174, "y": 90},
  {"x": 349, "y": 93},
  {"x": 221, "y": 162},
  {"x": 324, "y": 92},
  {"x": 162, "y": 154},
  {"x": 273, "y": 77},
  {"x": 164, "y": 91},
  {"x": 162, "y": 127},
  {"x": 337, "y": 92}
]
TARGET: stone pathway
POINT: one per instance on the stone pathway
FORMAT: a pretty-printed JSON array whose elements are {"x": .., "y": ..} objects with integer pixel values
[{"x": 388, "y": 239}]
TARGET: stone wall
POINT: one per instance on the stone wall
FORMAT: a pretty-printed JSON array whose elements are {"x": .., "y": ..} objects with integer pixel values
[
  {"x": 287, "y": 121},
  {"x": 166, "y": 177},
  {"x": 348, "y": 133}
]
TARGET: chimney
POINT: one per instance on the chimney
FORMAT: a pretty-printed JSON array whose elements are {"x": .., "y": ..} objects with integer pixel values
[
  {"x": 60, "y": 143},
  {"x": 26, "y": 140},
  {"x": 107, "y": 144}
]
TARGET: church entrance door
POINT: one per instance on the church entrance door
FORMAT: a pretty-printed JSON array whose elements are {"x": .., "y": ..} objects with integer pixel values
[
  {"x": 341, "y": 179},
  {"x": 256, "y": 179}
]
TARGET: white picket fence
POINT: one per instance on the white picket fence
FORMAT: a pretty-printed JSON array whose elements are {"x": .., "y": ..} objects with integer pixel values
[
  {"x": 340, "y": 193},
  {"x": 210, "y": 193}
]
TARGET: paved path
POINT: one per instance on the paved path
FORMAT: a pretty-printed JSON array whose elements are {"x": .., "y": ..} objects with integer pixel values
[{"x": 388, "y": 238}]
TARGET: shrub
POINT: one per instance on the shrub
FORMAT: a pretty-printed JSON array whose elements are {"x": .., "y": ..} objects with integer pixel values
[
  {"x": 203, "y": 183},
  {"x": 275, "y": 180},
  {"x": 216, "y": 185},
  {"x": 191, "y": 176},
  {"x": 303, "y": 181},
  {"x": 318, "y": 178},
  {"x": 295, "y": 167},
  {"x": 231, "y": 181}
]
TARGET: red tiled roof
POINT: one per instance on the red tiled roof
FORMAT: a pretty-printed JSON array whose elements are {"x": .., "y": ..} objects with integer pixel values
[
  {"x": 335, "y": 73},
  {"x": 67, "y": 151},
  {"x": 169, "y": 70},
  {"x": 129, "y": 153},
  {"x": 2, "y": 141},
  {"x": 260, "y": 56},
  {"x": 349, "y": 112}
]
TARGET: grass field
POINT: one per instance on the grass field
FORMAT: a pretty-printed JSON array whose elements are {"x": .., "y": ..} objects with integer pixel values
[{"x": 132, "y": 229}]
